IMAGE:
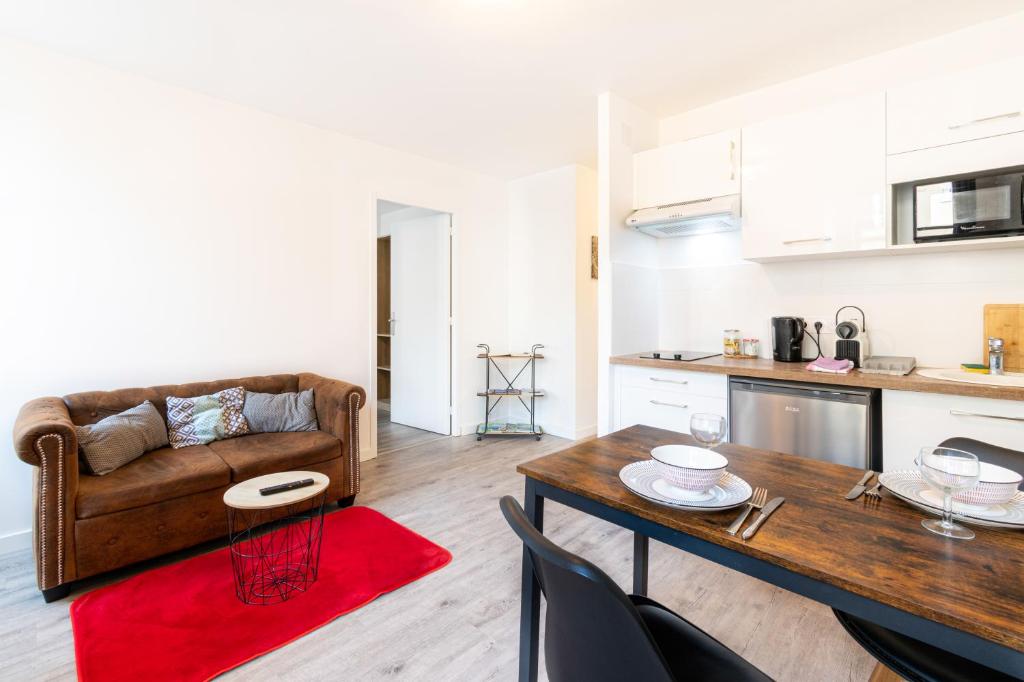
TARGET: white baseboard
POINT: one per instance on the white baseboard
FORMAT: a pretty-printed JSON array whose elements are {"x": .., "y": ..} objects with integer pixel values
[{"x": 17, "y": 541}]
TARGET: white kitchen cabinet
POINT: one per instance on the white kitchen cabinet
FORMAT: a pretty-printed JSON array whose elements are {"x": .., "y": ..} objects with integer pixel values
[
  {"x": 814, "y": 182},
  {"x": 970, "y": 104},
  {"x": 666, "y": 398},
  {"x": 700, "y": 168},
  {"x": 911, "y": 421}
]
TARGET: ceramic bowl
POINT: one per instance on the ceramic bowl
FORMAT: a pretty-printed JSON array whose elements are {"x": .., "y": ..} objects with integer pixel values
[
  {"x": 689, "y": 467},
  {"x": 996, "y": 485}
]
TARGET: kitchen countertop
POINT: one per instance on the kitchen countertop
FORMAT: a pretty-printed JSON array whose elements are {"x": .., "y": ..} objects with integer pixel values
[{"x": 762, "y": 368}]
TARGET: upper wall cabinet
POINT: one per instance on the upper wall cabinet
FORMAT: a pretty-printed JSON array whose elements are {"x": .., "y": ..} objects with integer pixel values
[
  {"x": 814, "y": 182},
  {"x": 966, "y": 105},
  {"x": 700, "y": 168}
]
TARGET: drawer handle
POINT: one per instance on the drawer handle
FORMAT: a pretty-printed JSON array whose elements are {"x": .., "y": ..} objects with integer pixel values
[
  {"x": 986, "y": 119},
  {"x": 805, "y": 241},
  {"x": 658, "y": 402},
  {"x": 669, "y": 381},
  {"x": 961, "y": 413}
]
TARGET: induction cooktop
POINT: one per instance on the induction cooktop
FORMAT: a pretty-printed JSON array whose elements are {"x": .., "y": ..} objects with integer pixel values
[{"x": 680, "y": 355}]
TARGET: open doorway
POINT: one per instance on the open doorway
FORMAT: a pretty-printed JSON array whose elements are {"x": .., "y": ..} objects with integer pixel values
[{"x": 414, "y": 333}]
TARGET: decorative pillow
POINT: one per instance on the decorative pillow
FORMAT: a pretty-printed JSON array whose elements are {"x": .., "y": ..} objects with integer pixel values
[
  {"x": 274, "y": 412},
  {"x": 116, "y": 440},
  {"x": 206, "y": 418}
]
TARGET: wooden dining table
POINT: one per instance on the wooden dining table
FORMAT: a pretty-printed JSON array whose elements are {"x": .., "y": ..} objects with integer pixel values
[{"x": 874, "y": 561}]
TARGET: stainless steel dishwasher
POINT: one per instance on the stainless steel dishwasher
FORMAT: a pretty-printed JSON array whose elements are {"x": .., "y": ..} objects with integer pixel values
[{"x": 830, "y": 423}]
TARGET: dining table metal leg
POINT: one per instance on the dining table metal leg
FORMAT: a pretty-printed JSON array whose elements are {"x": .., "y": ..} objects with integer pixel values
[
  {"x": 529, "y": 619},
  {"x": 640, "y": 554}
]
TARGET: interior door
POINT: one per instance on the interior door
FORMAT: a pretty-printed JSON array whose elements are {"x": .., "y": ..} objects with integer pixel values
[{"x": 420, "y": 355}]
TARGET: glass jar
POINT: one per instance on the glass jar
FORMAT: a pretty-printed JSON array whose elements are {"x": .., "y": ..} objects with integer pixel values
[
  {"x": 731, "y": 342},
  {"x": 751, "y": 347}
]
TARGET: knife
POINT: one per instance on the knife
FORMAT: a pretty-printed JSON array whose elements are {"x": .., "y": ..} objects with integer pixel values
[
  {"x": 859, "y": 489},
  {"x": 765, "y": 513}
]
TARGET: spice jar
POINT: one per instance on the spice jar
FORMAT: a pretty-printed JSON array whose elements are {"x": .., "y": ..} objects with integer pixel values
[{"x": 751, "y": 347}]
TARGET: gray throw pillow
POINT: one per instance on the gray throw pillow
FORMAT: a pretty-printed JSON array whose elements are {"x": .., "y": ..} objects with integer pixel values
[
  {"x": 118, "y": 439},
  {"x": 275, "y": 412}
]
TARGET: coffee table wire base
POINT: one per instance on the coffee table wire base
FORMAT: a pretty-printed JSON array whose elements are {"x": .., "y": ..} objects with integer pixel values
[{"x": 275, "y": 553}]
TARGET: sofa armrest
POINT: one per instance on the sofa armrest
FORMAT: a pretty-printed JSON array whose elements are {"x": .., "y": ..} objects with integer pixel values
[
  {"x": 337, "y": 410},
  {"x": 45, "y": 438}
]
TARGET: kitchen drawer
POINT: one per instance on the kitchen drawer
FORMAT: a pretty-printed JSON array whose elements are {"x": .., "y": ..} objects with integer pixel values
[
  {"x": 663, "y": 409},
  {"x": 964, "y": 105},
  {"x": 675, "y": 381},
  {"x": 911, "y": 421}
]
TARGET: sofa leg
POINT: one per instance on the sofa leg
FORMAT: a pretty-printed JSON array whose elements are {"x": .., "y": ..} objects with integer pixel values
[
  {"x": 346, "y": 501},
  {"x": 55, "y": 593}
]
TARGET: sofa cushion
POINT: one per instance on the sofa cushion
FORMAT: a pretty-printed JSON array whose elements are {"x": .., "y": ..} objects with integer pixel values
[
  {"x": 120, "y": 438},
  {"x": 205, "y": 418},
  {"x": 280, "y": 412},
  {"x": 160, "y": 475},
  {"x": 267, "y": 453}
]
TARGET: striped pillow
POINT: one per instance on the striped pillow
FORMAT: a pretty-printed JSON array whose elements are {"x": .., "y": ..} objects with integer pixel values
[{"x": 118, "y": 439}]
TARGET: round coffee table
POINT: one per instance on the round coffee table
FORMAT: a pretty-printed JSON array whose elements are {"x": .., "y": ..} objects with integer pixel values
[{"x": 275, "y": 539}]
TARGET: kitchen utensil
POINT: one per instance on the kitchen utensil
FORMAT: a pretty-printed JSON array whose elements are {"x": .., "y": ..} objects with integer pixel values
[
  {"x": 858, "y": 489},
  {"x": 787, "y": 338},
  {"x": 757, "y": 501},
  {"x": 643, "y": 479},
  {"x": 708, "y": 429},
  {"x": 873, "y": 494},
  {"x": 690, "y": 468},
  {"x": 768, "y": 510},
  {"x": 1006, "y": 322},
  {"x": 908, "y": 486},
  {"x": 948, "y": 471},
  {"x": 996, "y": 485}
]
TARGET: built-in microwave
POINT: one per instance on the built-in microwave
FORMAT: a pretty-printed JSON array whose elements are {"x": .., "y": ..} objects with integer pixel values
[{"x": 974, "y": 206}]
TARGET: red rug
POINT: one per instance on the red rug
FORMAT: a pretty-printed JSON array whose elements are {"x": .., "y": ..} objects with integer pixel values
[{"x": 183, "y": 621}]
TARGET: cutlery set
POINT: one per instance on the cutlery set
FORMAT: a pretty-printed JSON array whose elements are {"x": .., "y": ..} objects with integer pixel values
[
  {"x": 872, "y": 493},
  {"x": 757, "y": 501}
]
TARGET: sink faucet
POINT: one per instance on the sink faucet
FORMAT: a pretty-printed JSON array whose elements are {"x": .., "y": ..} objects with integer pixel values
[{"x": 995, "y": 356}]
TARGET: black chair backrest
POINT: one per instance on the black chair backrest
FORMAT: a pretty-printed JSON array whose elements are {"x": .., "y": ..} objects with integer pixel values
[
  {"x": 986, "y": 452},
  {"x": 592, "y": 630}
]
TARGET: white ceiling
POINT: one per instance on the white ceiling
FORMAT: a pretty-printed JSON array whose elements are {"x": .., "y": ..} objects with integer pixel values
[{"x": 505, "y": 87}]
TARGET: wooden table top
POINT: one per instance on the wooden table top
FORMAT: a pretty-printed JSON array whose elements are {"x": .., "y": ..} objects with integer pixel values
[
  {"x": 763, "y": 368},
  {"x": 246, "y": 495},
  {"x": 881, "y": 552}
]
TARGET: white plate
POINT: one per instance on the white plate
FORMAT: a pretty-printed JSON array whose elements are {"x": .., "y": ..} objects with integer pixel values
[
  {"x": 909, "y": 487},
  {"x": 643, "y": 479}
]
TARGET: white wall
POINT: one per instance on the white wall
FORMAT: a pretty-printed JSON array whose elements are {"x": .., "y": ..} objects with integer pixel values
[
  {"x": 926, "y": 305},
  {"x": 154, "y": 235},
  {"x": 551, "y": 299}
]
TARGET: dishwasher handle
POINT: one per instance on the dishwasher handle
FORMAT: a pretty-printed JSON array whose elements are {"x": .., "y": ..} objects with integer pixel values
[{"x": 811, "y": 391}]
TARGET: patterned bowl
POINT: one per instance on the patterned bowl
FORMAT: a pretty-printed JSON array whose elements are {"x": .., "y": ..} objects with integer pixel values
[
  {"x": 996, "y": 485},
  {"x": 689, "y": 467}
]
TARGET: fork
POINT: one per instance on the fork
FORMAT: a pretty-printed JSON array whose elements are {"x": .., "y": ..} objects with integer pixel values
[
  {"x": 873, "y": 494},
  {"x": 757, "y": 501}
]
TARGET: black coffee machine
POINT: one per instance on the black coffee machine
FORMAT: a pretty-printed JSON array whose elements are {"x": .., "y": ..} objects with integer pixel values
[{"x": 787, "y": 338}]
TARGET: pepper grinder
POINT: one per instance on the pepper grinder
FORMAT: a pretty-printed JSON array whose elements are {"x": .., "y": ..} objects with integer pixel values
[{"x": 995, "y": 356}]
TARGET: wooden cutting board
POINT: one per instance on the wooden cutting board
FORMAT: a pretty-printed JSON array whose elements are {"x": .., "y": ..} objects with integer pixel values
[{"x": 1006, "y": 321}]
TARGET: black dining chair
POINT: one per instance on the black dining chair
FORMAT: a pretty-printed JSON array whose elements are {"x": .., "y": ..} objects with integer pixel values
[
  {"x": 909, "y": 658},
  {"x": 594, "y": 631}
]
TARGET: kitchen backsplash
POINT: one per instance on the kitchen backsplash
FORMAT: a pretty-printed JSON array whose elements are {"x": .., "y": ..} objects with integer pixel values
[{"x": 925, "y": 305}]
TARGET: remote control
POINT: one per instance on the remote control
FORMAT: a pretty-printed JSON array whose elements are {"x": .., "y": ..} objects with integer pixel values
[{"x": 284, "y": 487}]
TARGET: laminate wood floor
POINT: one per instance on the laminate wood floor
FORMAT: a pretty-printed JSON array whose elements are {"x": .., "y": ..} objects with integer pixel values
[
  {"x": 461, "y": 623},
  {"x": 392, "y": 437}
]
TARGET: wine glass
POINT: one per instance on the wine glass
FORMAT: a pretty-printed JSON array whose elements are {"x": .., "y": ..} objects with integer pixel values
[
  {"x": 948, "y": 471},
  {"x": 708, "y": 429}
]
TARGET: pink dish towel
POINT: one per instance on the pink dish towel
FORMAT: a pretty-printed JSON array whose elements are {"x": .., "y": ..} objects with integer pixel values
[{"x": 831, "y": 365}]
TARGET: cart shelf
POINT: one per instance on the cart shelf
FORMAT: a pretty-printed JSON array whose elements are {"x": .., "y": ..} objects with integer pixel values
[{"x": 526, "y": 396}]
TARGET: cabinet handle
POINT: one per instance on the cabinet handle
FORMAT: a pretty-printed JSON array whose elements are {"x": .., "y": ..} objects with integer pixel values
[
  {"x": 961, "y": 413},
  {"x": 658, "y": 402},
  {"x": 986, "y": 119},
  {"x": 808, "y": 239},
  {"x": 732, "y": 160},
  {"x": 669, "y": 381}
]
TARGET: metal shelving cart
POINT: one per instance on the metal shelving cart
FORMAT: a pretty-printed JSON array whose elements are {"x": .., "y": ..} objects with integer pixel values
[{"x": 492, "y": 396}]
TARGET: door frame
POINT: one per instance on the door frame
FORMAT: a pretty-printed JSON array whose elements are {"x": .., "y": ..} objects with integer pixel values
[{"x": 454, "y": 427}]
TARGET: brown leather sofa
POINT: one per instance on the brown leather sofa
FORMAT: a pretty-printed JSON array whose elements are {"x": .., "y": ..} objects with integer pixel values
[{"x": 167, "y": 499}]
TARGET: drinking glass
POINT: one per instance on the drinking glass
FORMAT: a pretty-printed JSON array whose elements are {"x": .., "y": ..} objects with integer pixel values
[
  {"x": 708, "y": 429},
  {"x": 948, "y": 471}
]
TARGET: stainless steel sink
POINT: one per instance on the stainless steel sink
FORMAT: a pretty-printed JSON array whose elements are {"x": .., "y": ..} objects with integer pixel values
[{"x": 1008, "y": 379}]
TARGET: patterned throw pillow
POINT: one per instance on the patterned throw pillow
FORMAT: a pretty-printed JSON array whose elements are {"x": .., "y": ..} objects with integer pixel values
[
  {"x": 206, "y": 418},
  {"x": 118, "y": 439}
]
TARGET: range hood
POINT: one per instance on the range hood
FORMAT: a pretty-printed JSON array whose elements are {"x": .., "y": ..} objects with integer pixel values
[{"x": 718, "y": 214}]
